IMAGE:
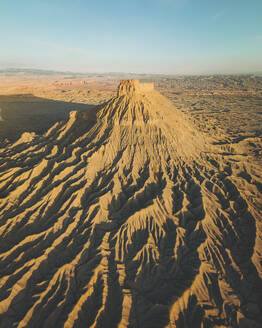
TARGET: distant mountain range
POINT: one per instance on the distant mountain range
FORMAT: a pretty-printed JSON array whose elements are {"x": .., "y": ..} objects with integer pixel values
[{"x": 32, "y": 71}]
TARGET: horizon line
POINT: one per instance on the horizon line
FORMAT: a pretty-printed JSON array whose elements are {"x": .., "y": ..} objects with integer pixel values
[{"x": 124, "y": 73}]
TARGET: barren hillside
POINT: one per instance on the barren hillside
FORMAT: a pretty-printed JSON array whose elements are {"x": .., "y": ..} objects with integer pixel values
[{"x": 127, "y": 215}]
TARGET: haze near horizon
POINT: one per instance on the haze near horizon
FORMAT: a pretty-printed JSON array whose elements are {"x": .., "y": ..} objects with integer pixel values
[{"x": 158, "y": 36}]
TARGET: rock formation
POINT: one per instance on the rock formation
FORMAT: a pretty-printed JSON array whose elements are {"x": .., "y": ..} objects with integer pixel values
[
  {"x": 131, "y": 87},
  {"x": 128, "y": 216}
]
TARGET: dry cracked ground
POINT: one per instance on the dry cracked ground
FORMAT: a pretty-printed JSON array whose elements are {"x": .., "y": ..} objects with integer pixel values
[{"x": 129, "y": 215}]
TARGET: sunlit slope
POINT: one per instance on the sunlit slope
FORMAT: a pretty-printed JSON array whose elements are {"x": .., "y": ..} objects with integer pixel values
[{"x": 127, "y": 216}]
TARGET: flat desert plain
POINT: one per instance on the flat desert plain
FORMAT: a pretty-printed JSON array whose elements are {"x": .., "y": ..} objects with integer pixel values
[{"x": 130, "y": 201}]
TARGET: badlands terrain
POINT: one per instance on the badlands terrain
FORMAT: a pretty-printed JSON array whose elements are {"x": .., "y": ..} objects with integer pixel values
[{"x": 130, "y": 204}]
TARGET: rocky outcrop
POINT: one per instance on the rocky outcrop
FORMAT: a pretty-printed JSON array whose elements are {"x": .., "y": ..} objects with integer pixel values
[{"x": 131, "y": 87}]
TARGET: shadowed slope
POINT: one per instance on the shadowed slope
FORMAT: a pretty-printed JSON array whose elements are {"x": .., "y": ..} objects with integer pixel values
[
  {"x": 27, "y": 113},
  {"x": 129, "y": 217}
]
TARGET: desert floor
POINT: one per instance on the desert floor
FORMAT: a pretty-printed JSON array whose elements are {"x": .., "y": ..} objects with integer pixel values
[
  {"x": 229, "y": 107},
  {"x": 130, "y": 207}
]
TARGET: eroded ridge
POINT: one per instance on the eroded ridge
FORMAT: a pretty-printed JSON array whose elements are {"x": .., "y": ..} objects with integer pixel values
[{"x": 128, "y": 216}]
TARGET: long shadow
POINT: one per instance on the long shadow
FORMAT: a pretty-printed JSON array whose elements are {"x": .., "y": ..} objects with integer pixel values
[{"x": 28, "y": 113}]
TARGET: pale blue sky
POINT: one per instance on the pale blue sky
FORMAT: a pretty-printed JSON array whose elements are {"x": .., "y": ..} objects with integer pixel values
[{"x": 157, "y": 36}]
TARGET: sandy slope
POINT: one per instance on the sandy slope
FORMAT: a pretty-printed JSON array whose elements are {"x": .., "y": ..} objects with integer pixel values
[{"x": 128, "y": 216}]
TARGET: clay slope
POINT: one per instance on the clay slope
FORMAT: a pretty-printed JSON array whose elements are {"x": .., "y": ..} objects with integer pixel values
[{"x": 127, "y": 216}]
